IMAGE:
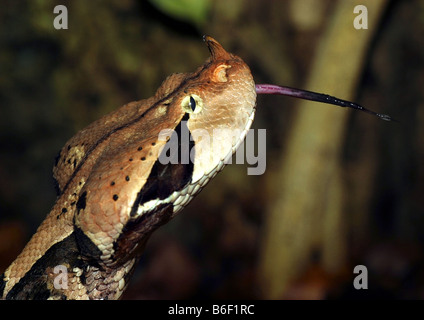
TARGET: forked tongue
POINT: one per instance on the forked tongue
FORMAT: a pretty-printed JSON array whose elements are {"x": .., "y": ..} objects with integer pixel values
[{"x": 313, "y": 96}]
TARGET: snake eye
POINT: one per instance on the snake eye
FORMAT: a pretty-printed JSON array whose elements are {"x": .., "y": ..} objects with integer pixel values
[{"x": 192, "y": 103}]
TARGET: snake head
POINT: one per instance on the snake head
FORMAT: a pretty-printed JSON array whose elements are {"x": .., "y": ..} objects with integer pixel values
[
  {"x": 151, "y": 157},
  {"x": 219, "y": 103}
]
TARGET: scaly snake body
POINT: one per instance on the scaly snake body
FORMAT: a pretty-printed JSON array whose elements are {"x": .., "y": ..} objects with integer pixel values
[{"x": 114, "y": 190}]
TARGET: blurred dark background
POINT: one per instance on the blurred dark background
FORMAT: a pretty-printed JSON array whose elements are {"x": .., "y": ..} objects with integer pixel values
[{"x": 226, "y": 243}]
